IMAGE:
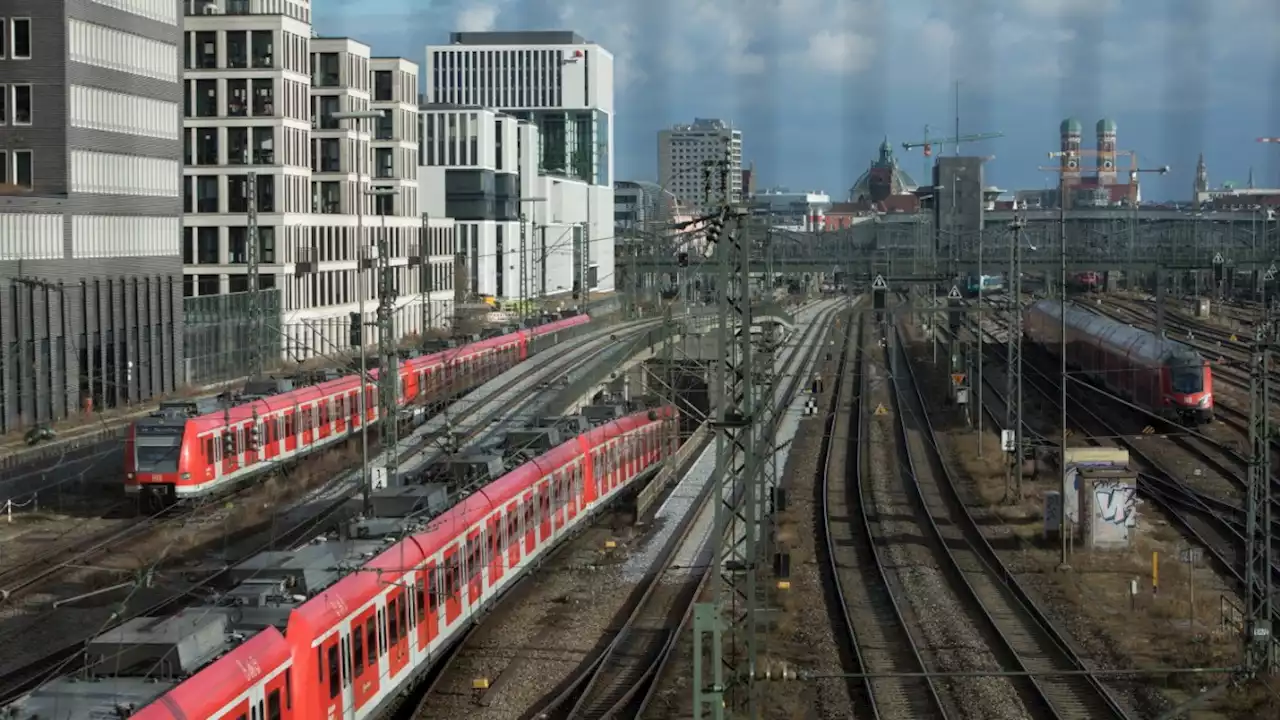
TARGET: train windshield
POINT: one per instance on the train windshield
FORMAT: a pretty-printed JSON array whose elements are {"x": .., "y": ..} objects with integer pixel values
[
  {"x": 1186, "y": 374},
  {"x": 157, "y": 448}
]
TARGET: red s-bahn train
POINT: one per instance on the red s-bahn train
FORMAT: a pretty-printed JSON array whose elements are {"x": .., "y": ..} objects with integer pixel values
[
  {"x": 349, "y": 651},
  {"x": 178, "y": 456},
  {"x": 1160, "y": 375},
  {"x": 1089, "y": 280}
]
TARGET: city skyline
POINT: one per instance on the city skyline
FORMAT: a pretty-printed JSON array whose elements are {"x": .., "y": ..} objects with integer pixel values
[{"x": 814, "y": 99}]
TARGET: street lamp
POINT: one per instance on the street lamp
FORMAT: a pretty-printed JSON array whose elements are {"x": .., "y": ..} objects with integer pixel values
[{"x": 355, "y": 116}]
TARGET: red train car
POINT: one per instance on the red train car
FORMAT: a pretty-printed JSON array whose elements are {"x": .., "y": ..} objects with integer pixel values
[
  {"x": 170, "y": 456},
  {"x": 1089, "y": 281},
  {"x": 1160, "y": 375},
  {"x": 350, "y": 650}
]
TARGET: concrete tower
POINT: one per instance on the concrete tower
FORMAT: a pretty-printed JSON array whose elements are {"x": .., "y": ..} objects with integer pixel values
[
  {"x": 1202, "y": 182},
  {"x": 1106, "y": 152},
  {"x": 1070, "y": 135}
]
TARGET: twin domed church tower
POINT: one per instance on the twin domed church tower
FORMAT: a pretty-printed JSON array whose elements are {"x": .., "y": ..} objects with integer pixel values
[{"x": 1102, "y": 161}]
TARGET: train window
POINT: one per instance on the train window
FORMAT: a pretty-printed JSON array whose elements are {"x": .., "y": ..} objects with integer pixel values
[
  {"x": 208, "y": 450},
  {"x": 253, "y": 713},
  {"x": 432, "y": 588},
  {"x": 393, "y": 625},
  {"x": 513, "y": 525},
  {"x": 371, "y": 636},
  {"x": 288, "y": 688},
  {"x": 324, "y": 413},
  {"x": 243, "y": 717},
  {"x": 273, "y": 705},
  {"x": 335, "y": 676},
  {"x": 357, "y": 649},
  {"x": 320, "y": 663},
  {"x": 421, "y": 601},
  {"x": 288, "y": 426},
  {"x": 494, "y": 538},
  {"x": 528, "y": 514},
  {"x": 404, "y": 615}
]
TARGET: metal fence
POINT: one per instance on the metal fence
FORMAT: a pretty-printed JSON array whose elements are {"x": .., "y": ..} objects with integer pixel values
[{"x": 219, "y": 335}]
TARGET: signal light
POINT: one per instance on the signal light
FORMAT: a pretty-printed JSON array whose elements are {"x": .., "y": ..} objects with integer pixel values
[
  {"x": 682, "y": 259},
  {"x": 357, "y": 330},
  {"x": 228, "y": 444},
  {"x": 255, "y": 437}
]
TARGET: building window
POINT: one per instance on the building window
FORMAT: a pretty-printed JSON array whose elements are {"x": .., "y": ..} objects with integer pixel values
[
  {"x": 4, "y": 167},
  {"x": 263, "y": 49},
  {"x": 4, "y": 39},
  {"x": 4, "y": 102},
  {"x": 237, "y": 49},
  {"x": 21, "y": 39},
  {"x": 21, "y": 104},
  {"x": 382, "y": 87},
  {"x": 206, "y": 50},
  {"x": 22, "y": 168}
]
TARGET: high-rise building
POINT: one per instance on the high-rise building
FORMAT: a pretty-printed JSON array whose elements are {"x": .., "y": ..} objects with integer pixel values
[
  {"x": 262, "y": 93},
  {"x": 685, "y": 152},
  {"x": 90, "y": 206},
  {"x": 562, "y": 86}
]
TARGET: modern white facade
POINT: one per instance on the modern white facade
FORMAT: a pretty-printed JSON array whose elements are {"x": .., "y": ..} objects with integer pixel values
[
  {"x": 261, "y": 92},
  {"x": 799, "y": 211},
  {"x": 686, "y": 152},
  {"x": 561, "y": 86}
]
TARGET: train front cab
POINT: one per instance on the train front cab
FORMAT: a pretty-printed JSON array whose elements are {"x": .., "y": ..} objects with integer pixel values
[{"x": 1189, "y": 388}]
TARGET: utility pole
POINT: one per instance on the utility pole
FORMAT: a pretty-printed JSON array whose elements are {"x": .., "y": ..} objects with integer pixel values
[
  {"x": 426, "y": 279},
  {"x": 1259, "y": 642},
  {"x": 524, "y": 268},
  {"x": 1013, "y": 375},
  {"x": 257, "y": 334},
  {"x": 584, "y": 271},
  {"x": 1065, "y": 545}
]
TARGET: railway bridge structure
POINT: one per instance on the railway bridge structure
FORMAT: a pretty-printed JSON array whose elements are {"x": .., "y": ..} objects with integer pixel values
[{"x": 914, "y": 246}]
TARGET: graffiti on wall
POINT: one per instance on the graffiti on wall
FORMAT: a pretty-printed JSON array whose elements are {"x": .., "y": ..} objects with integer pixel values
[{"x": 1117, "y": 502}]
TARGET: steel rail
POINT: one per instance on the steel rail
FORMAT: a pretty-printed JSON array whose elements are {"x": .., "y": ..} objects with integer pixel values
[{"x": 1030, "y": 637}]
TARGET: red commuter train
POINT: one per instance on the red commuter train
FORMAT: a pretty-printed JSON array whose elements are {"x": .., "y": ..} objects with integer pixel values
[
  {"x": 177, "y": 456},
  {"x": 347, "y": 652},
  {"x": 1160, "y": 375}
]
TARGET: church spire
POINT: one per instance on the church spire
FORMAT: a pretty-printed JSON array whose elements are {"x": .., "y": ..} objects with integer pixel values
[{"x": 1202, "y": 182}]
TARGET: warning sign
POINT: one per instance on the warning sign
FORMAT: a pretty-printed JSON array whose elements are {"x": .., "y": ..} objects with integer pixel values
[
  {"x": 957, "y": 378},
  {"x": 1148, "y": 430},
  {"x": 1235, "y": 339},
  {"x": 881, "y": 409},
  {"x": 955, "y": 293},
  {"x": 879, "y": 283}
]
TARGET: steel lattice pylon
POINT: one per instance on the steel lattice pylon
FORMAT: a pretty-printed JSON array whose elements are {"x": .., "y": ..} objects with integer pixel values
[
  {"x": 1258, "y": 557},
  {"x": 257, "y": 318},
  {"x": 388, "y": 358},
  {"x": 729, "y": 620}
]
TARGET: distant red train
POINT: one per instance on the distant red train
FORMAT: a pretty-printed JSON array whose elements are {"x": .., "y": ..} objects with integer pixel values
[
  {"x": 1160, "y": 375},
  {"x": 348, "y": 652},
  {"x": 1089, "y": 281},
  {"x": 172, "y": 456}
]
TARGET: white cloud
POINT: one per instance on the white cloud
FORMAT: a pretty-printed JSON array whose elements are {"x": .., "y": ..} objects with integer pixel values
[
  {"x": 838, "y": 52},
  {"x": 477, "y": 18}
]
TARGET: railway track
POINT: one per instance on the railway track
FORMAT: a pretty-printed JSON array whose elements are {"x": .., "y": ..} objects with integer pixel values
[
  {"x": 512, "y": 394},
  {"x": 878, "y": 636},
  {"x": 1014, "y": 632},
  {"x": 620, "y": 681}
]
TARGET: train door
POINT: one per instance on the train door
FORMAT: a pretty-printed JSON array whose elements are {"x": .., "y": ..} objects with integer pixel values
[
  {"x": 428, "y": 606},
  {"x": 556, "y": 486},
  {"x": 242, "y": 711},
  {"x": 493, "y": 542},
  {"x": 452, "y": 585},
  {"x": 513, "y": 535},
  {"x": 279, "y": 696},
  {"x": 340, "y": 414},
  {"x": 290, "y": 430},
  {"x": 306, "y": 425},
  {"x": 398, "y": 630},
  {"x": 544, "y": 511},
  {"x": 334, "y": 688},
  {"x": 364, "y": 657},
  {"x": 577, "y": 486},
  {"x": 529, "y": 523},
  {"x": 475, "y": 567}
]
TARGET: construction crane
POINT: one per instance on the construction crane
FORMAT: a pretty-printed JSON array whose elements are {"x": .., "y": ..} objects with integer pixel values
[{"x": 927, "y": 143}]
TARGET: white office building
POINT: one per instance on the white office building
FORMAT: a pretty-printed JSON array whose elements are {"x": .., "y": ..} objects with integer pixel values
[
  {"x": 561, "y": 86},
  {"x": 686, "y": 152},
  {"x": 260, "y": 95}
]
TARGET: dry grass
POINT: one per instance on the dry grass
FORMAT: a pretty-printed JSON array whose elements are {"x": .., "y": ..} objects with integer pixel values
[{"x": 1159, "y": 627}]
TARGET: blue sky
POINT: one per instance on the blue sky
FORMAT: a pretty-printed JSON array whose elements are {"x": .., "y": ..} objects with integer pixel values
[{"x": 816, "y": 84}]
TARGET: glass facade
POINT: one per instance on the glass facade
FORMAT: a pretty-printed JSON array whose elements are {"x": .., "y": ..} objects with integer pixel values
[
  {"x": 218, "y": 333},
  {"x": 574, "y": 144}
]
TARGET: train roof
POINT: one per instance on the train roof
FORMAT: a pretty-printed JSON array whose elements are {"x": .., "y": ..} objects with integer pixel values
[
  {"x": 1117, "y": 333},
  {"x": 358, "y": 588},
  {"x": 218, "y": 416}
]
